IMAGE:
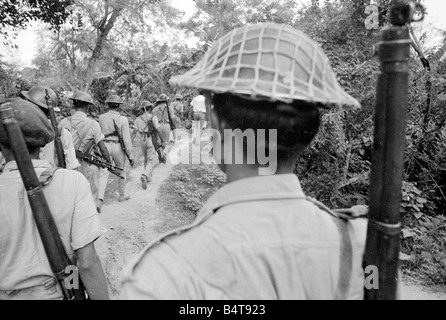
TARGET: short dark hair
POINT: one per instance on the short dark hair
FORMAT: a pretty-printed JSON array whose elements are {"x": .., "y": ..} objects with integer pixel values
[
  {"x": 296, "y": 123},
  {"x": 80, "y": 104},
  {"x": 113, "y": 105}
]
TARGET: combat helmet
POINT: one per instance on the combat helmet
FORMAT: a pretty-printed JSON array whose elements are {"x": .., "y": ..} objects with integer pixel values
[
  {"x": 82, "y": 96},
  {"x": 268, "y": 61},
  {"x": 146, "y": 104},
  {"x": 114, "y": 99},
  {"x": 38, "y": 96},
  {"x": 162, "y": 98},
  {"x": 178, "y": 96},
  {"x": 36, "y": 129}
]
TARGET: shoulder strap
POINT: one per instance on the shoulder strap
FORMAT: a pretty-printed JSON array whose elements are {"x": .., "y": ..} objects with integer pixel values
[
  {"x": 341, "y": 219},
  {"x": 46, "y": 176}
]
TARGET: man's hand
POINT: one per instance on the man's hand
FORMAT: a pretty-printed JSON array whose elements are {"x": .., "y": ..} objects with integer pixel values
[{"x": 132, "y": 162}]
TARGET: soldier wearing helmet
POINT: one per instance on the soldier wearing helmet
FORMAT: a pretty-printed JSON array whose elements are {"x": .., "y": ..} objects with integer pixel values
[
  {"x": 38, "y": 96},
  {"x": 259, "y": 236},
  {"x": 87, "y": 138},
  {"x": 107, "y": 122},
  {"x": 178, "y": 107},
  {"x": 161, "y": 112},
  {"x": 25, "y": 269},
  {"x": 147, "y": 127}
]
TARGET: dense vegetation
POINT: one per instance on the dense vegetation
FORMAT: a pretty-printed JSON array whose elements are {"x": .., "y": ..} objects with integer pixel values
[{"x": 111, "y": 46}]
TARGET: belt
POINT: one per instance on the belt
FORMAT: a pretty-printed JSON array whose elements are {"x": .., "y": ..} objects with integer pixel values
[
  {"x": 113, "y": 134},
  {"x": 111, "y": 141},
  {"x": 50, "y": 283}
]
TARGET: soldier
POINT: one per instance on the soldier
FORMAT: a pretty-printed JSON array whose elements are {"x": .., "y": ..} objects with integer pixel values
[
  {"x": 118, "y": 152},
  {"x": 24, "y": 266},
  {"x": 146, "y": 126},
  {"x": 178, "y": 106},
  {"x": 87, "y": 138},
  {"x": 37, "y": 95},
  {"x": 259, "y": 237},
  {"x": 161, "y": 112}
]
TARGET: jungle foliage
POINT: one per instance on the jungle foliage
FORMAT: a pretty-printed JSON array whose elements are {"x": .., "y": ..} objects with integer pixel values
[{"x": 111, "y": 47}]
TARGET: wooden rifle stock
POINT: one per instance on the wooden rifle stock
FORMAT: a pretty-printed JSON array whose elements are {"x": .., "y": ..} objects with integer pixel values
[
  {"x": 384, "y": 227},
  {"x": 121, "y": 142},
  {"x": 46, "y": 226},
  {"x": 57, "y": 140}
]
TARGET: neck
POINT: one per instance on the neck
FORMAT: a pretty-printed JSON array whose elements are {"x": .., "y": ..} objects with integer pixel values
[{"x": 236, "y": 172}]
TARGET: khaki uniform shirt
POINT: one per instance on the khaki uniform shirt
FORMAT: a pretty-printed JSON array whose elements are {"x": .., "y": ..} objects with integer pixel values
[
  {"x": 82, "y": 129},
  {"x": 49, "y": 151},
  {"x": 266, "y": 240},
  {"x": 160, "y": 112},
  {"x": 108, "y": 127},
  {"x": 141, "y": 122},
  {"x": 23, "y": 262}
]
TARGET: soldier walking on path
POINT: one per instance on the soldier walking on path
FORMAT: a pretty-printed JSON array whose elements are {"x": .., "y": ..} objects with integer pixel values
[
  {"x": 116, "y": 130},
  {"x": 38, "y": 96},
  {"x": 161, "y": 112},
  {"x": 87, "y": 138},
  {"x": 259, "y": 236},
  {"x": 24, "y": 266},
  {"x": 147, "y": 127}
]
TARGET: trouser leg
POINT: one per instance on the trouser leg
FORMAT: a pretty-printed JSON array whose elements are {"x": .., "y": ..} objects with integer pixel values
[
  {"x": 144, "y": 149},
  {"x": 120, "y": 160},
  {"x": 91, "y": 172},
  {"x": 103, "y": 180}
]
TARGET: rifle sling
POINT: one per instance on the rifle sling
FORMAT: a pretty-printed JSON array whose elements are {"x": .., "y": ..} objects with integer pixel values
[{"x": 44, "y": 179}]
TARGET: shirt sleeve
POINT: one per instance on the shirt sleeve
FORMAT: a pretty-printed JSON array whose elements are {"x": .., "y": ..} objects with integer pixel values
[
  {"x": 193, "y": 102},
  {"x": 86, "y": 226},
  {"x": 98, "y": 135},
  {"x": 68, "y": 146},
  {"x": 155, "y": 122}
]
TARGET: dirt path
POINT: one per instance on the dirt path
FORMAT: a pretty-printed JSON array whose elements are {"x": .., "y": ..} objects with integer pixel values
[
  {"x": 132, "y": 224},
  {"x": 129, "y": 224}
]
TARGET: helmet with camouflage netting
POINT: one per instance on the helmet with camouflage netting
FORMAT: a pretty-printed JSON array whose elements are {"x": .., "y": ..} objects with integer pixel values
[
  {"x": 114, "y": 99},
  {"x": 268, "y": 61}
]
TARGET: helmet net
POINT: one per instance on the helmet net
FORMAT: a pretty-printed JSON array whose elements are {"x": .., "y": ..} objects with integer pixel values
[{"x": 268, "y": 62}]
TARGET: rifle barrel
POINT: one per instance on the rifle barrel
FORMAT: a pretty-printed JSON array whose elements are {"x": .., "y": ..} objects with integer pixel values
[{"x": 383, "y": 233}]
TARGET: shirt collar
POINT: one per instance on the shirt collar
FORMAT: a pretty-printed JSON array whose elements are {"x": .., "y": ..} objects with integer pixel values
[
  {"x": 114, "y": 112},
  {"x": 37, "y": 163},
  {"x": 80, "y": 114},
  {"x": 280, "y": 186}
]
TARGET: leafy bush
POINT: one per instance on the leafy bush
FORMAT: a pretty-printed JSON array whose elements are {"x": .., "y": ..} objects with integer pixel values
[{"x": 195, "y": 183}]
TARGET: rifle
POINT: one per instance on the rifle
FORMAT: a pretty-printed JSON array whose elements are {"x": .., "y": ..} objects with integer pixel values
[
  {"x": 99, "y": 162},
  {"x": 172, "y": 125},
  {"x": 121, "y": 142},
  {"x": 156, "y": 141},
  {"x": 46, "y": 226},
  {"x": 384, "y": 227},
  {"x": 57, "y": 141}
]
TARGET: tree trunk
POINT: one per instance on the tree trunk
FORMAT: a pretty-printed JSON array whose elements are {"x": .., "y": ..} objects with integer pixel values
[{"x": 104, "y": 29}]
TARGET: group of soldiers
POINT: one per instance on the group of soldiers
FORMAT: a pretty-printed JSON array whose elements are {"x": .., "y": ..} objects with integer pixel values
[{"x": 258, "y": 237}]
